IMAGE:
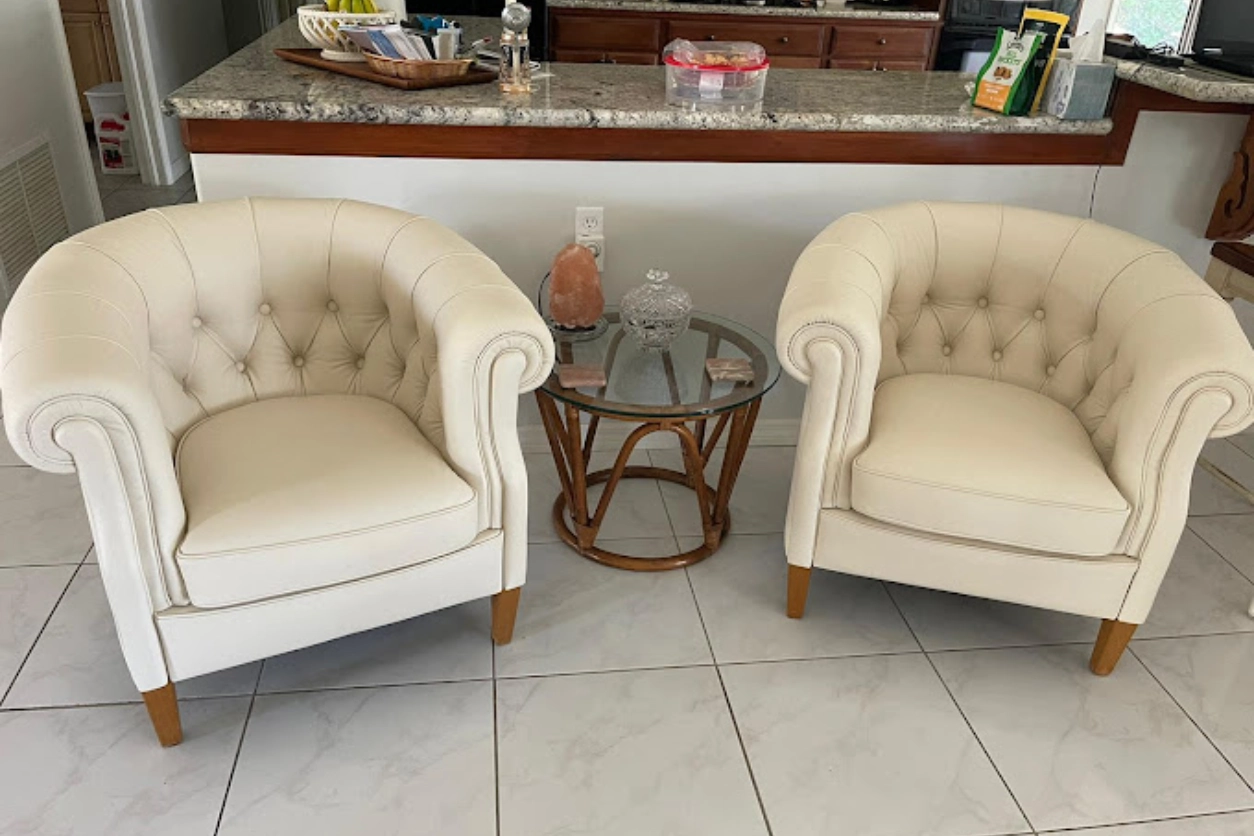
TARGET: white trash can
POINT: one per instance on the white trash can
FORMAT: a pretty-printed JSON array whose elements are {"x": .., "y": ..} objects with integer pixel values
[{"x": 112, "y": 117}]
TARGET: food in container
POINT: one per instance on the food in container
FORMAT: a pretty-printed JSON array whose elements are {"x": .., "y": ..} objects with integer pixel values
[{"x": 723, "y": 75}]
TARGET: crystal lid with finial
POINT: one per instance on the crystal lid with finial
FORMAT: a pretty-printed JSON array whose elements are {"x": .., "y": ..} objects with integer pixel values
[{"x": 656, "y": 312}]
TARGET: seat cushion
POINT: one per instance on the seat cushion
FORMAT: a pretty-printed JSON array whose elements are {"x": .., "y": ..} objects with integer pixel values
[
  {"x": 297, "y": 493},
  {"x": 987, "y": 461}
]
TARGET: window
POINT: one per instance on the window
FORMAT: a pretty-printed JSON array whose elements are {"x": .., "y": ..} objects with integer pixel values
[{"x": 1155, "y": 22}]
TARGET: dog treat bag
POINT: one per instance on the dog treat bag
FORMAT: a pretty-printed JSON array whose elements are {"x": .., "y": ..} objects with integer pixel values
[{"x": 1007, "y": 84}]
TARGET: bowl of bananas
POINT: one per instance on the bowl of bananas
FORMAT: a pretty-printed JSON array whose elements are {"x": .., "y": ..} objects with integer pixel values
[{"x": 320, "y": 24}]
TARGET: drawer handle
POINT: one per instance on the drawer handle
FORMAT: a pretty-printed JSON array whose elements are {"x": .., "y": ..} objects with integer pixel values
[
  {"x": 605, "y": 59},
  {"x": 711, "y": 37},
  {"x": 784, "y": 40},
  {"x": 882, "y": 42}
]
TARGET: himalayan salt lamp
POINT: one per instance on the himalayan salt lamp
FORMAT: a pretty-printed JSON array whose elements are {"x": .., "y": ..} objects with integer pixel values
[{"x": 575, "y": 297}]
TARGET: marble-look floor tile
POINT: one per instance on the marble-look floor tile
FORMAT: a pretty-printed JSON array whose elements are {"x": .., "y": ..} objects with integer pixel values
[
  {"x": 758, "y": 503},
  {"x": 1080, "y": 750},
  {"x": 1232, "y": 535},
  {"x": 1208, "y": 496},
  {"x": 835, "y": 743},
  {"x": 622, "y": 754},
  {"x": 1212, "y": 677},
  {"x": 1231, "y": 460},
  {"x": 124, "y": 202},
  {"x": 8, "y": 458},
  {"x": 42, "y": 519},
  {"x": 27, "y": 597},
  {"x": 1221, "y": 824},
  {"x": 1202, "y": 593},
  {"x": 444, "y": 646},
  {"x": 740, "y": 591},
  {"x": 946, "y": 621},
  {"x": 87, "y": 771},
  {"x": 414, "y": 760},
  {"x": 78, "y": 661},
  {"x": 636, "y": 508},
  {"x": 576, "y": 615}
]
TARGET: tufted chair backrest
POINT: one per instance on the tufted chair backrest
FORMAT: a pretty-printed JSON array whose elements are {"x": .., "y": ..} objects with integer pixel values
[
  {"x": 1017, "y": 295},
  {"x": 261, "y": 298}
]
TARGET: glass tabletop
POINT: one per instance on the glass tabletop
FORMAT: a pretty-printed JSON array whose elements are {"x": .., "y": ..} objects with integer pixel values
[{"x": 666, "y": 384}]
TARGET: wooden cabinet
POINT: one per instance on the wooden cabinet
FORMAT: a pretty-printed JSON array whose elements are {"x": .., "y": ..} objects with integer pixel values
[
  {"x": 93, "y": 50},
  {"x": 593, "y": 35}
]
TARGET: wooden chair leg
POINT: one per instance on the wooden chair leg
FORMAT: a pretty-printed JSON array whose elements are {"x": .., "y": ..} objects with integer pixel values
[
  {"x": 798, "y": 590},
  {"x": 1111, "y": 641},
  {"x": 504, "y": 612},
  {"x": 163, "y": 710}
]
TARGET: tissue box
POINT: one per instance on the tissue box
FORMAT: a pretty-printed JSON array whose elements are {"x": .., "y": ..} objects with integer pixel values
[{"x": 1078, "y": 91}]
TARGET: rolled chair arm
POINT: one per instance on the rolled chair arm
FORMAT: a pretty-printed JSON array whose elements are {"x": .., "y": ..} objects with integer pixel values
[
  {"x": 828, "y": 337},
  {"x": 1183, "y": 372},
  {"x": 490, "y": 346}
]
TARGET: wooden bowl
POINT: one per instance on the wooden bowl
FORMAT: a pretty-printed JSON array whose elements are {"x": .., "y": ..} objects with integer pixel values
[
  {"x": 322, "y": 29},
  {"x": 418, "y": 70}
]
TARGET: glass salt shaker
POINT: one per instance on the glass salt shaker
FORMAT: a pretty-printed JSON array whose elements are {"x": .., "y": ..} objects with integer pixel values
[{"x": 515, "y": 49}]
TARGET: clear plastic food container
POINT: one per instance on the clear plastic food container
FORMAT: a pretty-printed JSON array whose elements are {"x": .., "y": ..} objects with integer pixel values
[{"x": 721, "y": 75}]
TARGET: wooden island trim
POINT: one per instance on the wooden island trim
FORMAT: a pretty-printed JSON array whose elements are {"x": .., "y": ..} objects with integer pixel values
[{"x": 262, "y": 137}]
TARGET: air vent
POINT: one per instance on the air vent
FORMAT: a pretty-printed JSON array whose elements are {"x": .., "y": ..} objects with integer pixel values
[{"x": 32, "y": 217}]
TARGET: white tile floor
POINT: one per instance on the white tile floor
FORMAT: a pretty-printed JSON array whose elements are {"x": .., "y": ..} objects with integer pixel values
[
  {"x": 673, "y": 703},
  {"x": 125, "y": 194}
]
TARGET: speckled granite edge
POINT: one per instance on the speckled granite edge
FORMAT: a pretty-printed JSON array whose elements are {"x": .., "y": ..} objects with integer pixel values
[
  {"x": 660, "y": 119},
  {"x": 1198, "y": 84},
  {"x": 831, "y": 10}
]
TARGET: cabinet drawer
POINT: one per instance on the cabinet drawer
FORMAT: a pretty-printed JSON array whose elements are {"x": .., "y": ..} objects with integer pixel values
[
  {"x": 600, "y": 56},
  {"x": 881, "y": 41},
  {"x": 606, "y": 33},
  {"x": 796, "y": 62},
  {"x": 778, "y": 38},
  {"x": 883, "y": 65}
]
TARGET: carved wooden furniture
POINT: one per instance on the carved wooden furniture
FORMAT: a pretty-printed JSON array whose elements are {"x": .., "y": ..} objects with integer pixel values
[
  {"x": 664, "y": 392},
  {"x": 620, "y": 37}
]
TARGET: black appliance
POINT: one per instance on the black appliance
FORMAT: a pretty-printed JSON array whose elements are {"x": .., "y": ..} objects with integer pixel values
[
  {"x": 1225, "y": 36},
  {"x": 538, "y": 31},
  {"x": 971, "y": 25}
]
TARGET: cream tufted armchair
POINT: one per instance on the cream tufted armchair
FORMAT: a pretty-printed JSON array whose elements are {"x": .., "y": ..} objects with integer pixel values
[
  {"x": 1003, "y": 403},
  {"x": 291, "y": 419}
]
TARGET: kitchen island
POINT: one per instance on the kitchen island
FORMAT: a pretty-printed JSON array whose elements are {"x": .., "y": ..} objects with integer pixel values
[{"x": 725, "y": 202}]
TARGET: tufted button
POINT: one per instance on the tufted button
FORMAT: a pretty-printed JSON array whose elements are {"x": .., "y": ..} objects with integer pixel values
[
  {"x": 333, "y": 306},
  {"x": 265, "y": 309},
  {"x": 1049, "y": 370},
  {"x": 239, "y": 367},
  {"x": 946, "y": 350},
  {"x": 1039, "y": 313},
  {"x": 983, "y": 303},
  {"x": 361, "y": 362},
  {"x": 197, "y": 322},
  {"x": 298, "y": 361},
  {"x": 996, "y": 356}
]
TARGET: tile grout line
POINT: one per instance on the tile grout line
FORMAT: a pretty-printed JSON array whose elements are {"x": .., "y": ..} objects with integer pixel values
[
  {"x": 1091, "y": 828},
  {"x": 239, "y": 747},
  {"x": 26, "y": 658},
  {"x": 731, "y": 712},
  {"x": 961, "y": 713},
  {"x": 1215, "y": 549},
  {"x": 1186, "y": 713}
]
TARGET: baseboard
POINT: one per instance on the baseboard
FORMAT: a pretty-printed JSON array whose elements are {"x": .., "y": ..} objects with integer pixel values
[{"x": 770, "y": 432}]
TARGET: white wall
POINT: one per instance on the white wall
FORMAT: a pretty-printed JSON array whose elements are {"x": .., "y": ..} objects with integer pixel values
[
  {"x": 731, "y": 232},
  {"x": 37, "y": 99},
  {"x": 165, "y": 44}
]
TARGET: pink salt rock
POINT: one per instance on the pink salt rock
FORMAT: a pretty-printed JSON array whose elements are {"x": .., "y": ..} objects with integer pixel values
[{"x": 575, "y": 297}]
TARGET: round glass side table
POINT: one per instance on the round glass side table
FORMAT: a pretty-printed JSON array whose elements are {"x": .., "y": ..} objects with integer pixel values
[{"x": 662, "y": 391}]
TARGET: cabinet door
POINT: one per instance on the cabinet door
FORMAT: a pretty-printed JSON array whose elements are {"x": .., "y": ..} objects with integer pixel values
[
  {"x": 90, "y": 61},
  {"x": 778, "y": 38},
  {"x": 111, "y": 49},
  {"x": 595, "y": 32},
  {"x": 597, "y": 56},
  {"x": 80, "y": 6}
]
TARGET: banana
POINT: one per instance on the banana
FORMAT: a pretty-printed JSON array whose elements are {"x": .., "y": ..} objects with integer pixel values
[
  {"x": 333, "y": 5},
  {"x": 370, "y": 7}
]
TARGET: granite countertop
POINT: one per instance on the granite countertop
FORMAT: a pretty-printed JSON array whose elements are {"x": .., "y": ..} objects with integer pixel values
[
  {"x": 833, "y": 9},
  {"x": 255, "y": 84},
  {"x": 1192, "y": 81}
]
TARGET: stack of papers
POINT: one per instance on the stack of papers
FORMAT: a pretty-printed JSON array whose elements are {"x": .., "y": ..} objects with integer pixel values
[{"x": 390, "y": 41}]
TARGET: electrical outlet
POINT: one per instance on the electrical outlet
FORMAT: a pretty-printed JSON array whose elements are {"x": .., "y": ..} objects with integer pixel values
[
  {"x": 590, "y": 231},
  {"x": 589, "y": 221}
]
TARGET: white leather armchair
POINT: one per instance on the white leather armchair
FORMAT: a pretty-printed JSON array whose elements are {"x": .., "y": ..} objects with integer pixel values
[
  {"x": 1003, "y": 403},
  {"x": 291, "y": 419}
]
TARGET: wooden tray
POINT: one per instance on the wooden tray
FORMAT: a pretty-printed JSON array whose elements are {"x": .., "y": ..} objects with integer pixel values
[{"x": 313, "y": 58}]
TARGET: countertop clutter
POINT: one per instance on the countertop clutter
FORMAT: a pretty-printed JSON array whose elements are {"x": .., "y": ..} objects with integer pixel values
[{"x": 254, "y": 84}]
